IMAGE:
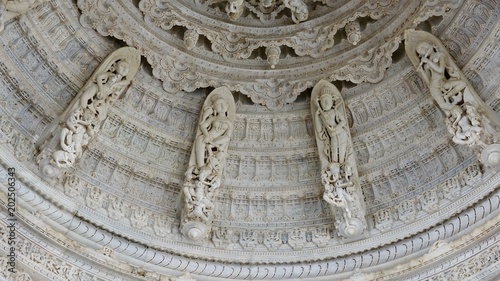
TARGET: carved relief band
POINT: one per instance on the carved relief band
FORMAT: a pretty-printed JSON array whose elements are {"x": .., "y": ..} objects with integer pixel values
[
  {"x": 468, "y": 118},
  {"x": 61, "y": 148},
  {"x": 338, "y": 166},
  {"x": 206, "y": 165},
  {"x": 10, "y": 9}
]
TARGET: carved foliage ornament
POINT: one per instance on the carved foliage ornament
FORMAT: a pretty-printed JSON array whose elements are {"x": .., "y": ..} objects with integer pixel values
[
  {"x": 240, "y": 44},
  {"x": 227, "y": 55},
  {"x": 338, "y": 166},
  {"x": 83, "y": 117},
  {"x": 468, "y": 118},
  {"x": 206, "y": 165}
]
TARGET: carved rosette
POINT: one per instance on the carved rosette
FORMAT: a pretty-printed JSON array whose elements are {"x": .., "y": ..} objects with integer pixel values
[
  {"x": 206, "y": 165},
  {"x": 338, "y": 165},
  {"x": 468, "y": 118},
  {"x": 60, "y": 148}
]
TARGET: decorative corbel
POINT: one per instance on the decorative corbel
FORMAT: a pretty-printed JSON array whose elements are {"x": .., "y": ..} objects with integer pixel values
[
  {"x": 339, "y": 173},
  {"x": 468, "y": 118},
  {"x": 61, "y": 147},
  {"x": 206, "y": 165}
]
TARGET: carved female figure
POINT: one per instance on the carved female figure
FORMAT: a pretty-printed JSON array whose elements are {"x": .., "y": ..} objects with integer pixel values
[
  {"x": 206, "y": 164},
  {"x": 332, "y": 126},
  {"x": 97, "y": 96},
  {"x": 444, "y": 83},
  {"x": 216, "y": 129}
]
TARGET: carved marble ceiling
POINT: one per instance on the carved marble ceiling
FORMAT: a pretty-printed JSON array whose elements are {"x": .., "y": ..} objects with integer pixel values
[{"x": 115, "y": 215}]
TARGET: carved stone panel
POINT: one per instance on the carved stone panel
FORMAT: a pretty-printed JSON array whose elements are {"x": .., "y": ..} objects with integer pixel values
[
  {"x": 206, "y": 165},
  {"x": 82, "y": 119},
  {"x": 468, "y": 118},
  {"x": 338, "y": 165}
]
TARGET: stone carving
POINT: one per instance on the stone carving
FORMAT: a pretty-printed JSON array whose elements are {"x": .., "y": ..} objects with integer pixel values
[
  {"x": 231, "y": 48},
  {"x": 10, "y": 9},
  {"x": 116, "y": 208},
  {"x": 299, "y": 10},
  {"x": 190, "y": 38},
  {"x": 353, "y": 32},
  {"x": 469, "y": 120},
  {"x": 339, "y": 173},
  {"x": 84, "y": 116},
  {"x": 234, "y": 9},
  {"x": 331, "y": 125},
  {"x": 206, "y": 164},
  {"x": 273, "y": 55}
]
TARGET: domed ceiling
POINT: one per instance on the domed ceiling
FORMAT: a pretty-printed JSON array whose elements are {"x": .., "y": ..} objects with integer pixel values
[{"x": 431, "y": 204}]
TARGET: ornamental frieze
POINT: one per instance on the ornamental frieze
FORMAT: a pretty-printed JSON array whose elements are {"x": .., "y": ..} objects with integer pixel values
[{"x": 229, "y": 54}]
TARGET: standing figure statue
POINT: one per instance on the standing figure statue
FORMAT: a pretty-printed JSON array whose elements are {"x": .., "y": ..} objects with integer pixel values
[
  {"x": 339, "y": 174},
  {"x": 332, "y": 126},
  {"x": 206, "y": 165},
  {"x": 100, "y": 95},
  {"x": 216, "y": 129}
]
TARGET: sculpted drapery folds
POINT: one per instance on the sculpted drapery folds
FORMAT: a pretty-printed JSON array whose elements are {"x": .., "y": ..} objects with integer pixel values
[
  {"x": 206, "y": 164},
  {"x": 444, "y": 82},
  {"x": 83, "y": 117},
  {"x": 331, "y": 125},
  {"x": 338, "y": 167},
  {"x": 468, "y": 118}
]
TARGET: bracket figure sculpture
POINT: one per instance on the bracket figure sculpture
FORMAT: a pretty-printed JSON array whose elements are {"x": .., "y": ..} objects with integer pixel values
[
  {"x": 338, "y": 166},
  {"x": 10, "y": 9},
  {"x": 61, "y": 148},
  {"x": 468, "y": 118},
  {"x": 206, "y": 165}
]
